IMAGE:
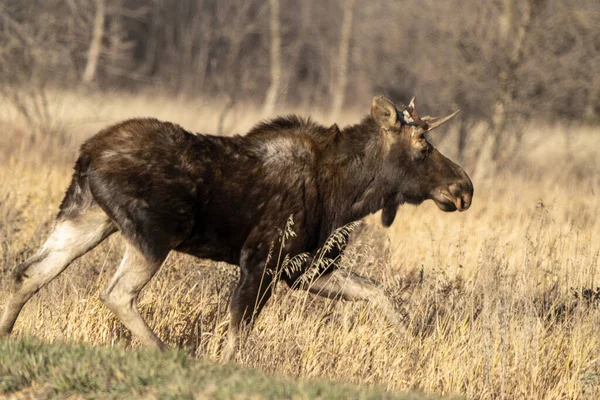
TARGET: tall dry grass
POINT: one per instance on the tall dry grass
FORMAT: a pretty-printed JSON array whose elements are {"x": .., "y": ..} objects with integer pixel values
[{"x": 500, "y": 301}]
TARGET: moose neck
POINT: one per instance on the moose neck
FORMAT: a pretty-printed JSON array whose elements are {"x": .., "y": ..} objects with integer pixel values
[{"x": 352, "y": 181}]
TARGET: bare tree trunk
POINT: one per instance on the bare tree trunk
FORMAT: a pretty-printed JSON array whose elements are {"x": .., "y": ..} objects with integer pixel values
[
  {"x": 273, "y": 91},
  {"x": 513, "y": 34},
  {"x": 117, "y": 45},
  {"x": 340, "y": 90},
  {"x": 95, "y": 44}
]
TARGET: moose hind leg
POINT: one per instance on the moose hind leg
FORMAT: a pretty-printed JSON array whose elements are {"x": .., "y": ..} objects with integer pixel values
[
  {"x": 121, "y": 294},
  {"x": 71, "y": 238}
]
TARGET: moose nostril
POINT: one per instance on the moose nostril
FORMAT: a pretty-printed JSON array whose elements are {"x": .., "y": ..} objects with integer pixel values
[
  {"x": 465, "y": 202},
  {"x": 462, "y": 193}
]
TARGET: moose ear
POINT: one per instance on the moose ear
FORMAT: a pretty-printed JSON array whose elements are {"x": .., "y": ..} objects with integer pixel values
[{"x": 384, "y": 112}]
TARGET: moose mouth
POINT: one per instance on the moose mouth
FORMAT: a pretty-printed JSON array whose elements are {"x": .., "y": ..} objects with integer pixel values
[{"x": 448, "y": 203}]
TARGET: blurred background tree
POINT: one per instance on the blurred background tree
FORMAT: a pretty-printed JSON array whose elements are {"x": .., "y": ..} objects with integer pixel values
[{"x": 501, "y": 61}]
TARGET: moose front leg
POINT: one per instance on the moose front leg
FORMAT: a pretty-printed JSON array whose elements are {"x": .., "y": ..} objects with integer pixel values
[
  {"x": 249, "y": 297},
  {"x": 347, "y": 285}
]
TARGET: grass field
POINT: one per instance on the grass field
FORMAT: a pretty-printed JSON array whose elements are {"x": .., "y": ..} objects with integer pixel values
[{"x": 501, "y": 301}]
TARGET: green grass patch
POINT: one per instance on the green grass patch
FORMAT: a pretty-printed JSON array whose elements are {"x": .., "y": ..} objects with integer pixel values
[{"x": 41, "y": 370}]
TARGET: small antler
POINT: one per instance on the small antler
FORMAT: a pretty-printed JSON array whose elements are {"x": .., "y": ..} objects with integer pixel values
[
  {"x": 426, "y": 123},
  {"x": 414, "y": 115},
  {"x": 434, "y": 122}
]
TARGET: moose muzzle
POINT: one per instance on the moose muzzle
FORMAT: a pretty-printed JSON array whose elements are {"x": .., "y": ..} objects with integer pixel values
[{"x": 455, "y": 197}]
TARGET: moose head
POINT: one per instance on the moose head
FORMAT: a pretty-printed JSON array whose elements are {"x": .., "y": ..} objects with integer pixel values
[{"x": 414, "y": 167}]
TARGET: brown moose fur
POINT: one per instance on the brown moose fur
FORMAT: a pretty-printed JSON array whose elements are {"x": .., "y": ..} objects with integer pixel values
[{"x": 227, "y": 199}]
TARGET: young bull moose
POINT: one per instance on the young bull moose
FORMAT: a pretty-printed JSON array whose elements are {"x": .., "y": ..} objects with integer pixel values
[{"x": 226, "y": 198}]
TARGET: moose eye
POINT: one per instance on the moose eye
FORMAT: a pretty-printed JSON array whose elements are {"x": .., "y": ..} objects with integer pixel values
[{"x": 424, "y": 151}]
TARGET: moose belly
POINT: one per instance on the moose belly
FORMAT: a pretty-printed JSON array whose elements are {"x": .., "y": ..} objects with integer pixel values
[{"x": 212, "y": 248}]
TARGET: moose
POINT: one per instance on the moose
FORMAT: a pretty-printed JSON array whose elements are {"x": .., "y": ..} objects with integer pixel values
[{"x": 226, "y": 198}]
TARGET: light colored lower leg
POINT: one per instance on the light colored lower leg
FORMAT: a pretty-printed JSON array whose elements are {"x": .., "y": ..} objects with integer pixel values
[
  {"x": 231, "y": 347},
  {"x": 69, "y": 240},
  {"x": 121, "y": 294},
  {"x": 349, "y": 286},
  {"x": 14, "y": 305}
]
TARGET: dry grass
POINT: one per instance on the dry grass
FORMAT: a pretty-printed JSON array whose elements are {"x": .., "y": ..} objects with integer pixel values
[{"x": 502, "y": 301}]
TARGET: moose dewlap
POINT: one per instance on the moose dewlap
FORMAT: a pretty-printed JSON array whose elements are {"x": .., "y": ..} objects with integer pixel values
[{"x": 227, "y": 198}]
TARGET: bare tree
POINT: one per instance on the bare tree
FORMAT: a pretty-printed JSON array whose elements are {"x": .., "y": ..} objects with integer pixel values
[
  {"x": 95, "y": 44},
  {"x": 34, "y": 56},
  {"x": 342, "y": 77},
  {"x": 514, "y": 28},
  {"x": 236, "y": 27},
  {"x": 274, "y": 87}
]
